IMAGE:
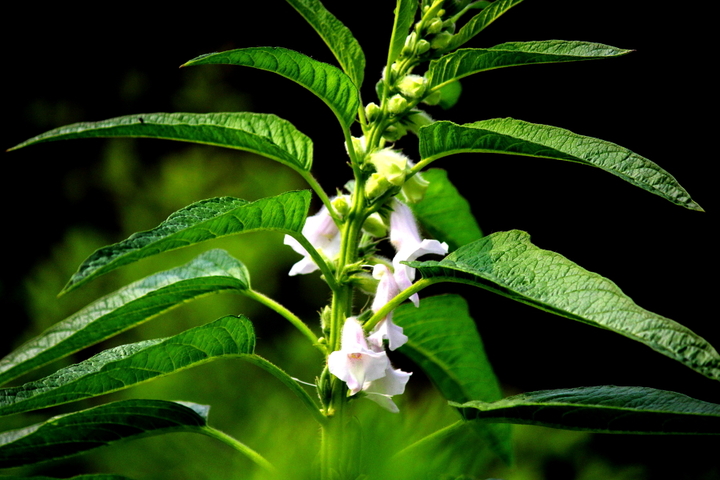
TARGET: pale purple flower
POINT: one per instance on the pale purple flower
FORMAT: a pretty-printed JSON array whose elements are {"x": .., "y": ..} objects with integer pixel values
[
  {"x": 385, "y": 329},
  {"x": 322, "y": 233},
  {"x": 381, "y": 390},
  {"x": 405, "y": 237},
  {"x": 356, "y": 363}
]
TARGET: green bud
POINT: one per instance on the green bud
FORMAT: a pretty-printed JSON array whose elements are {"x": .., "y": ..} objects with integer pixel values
[
  {"x": 375, "y": 226},
  {"x": 372, "y": 111},
  {"x": 342, "y": 204},
  {"x": 433, "y": 98},
  {"x": 422, "y": 46},
  {"x": 365, "y": 282},
  {"x": 441, "y": 40},
  {"x": 416, "y": 120},
  {"x": 376, "y": 185},
  {"x": 395, "y": 132},
  {"x": 414, "y": 188},
  {"x": 435, "y": 26},
  {"x": 391, "y": 165},
  {"x": 397, "y": 104},
  {"x": 412, "y": 86}
]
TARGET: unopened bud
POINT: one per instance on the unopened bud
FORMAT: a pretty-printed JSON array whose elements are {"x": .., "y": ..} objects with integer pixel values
[
  {"x": 412, "y": 86},
  {"x": 414, "y": 188},
  {"x": 435, "y": 26},
  {"x": 441, "y": 40},
  {"x": 372, "y": 111},
  {"x": 395, "y": 132},
  {"x": 390, "y": 164},
  {"x": 397, "y": 104},
  {"x": 375, "y": 226},
  {"x": 416, "y": 120},
  {"x": 422, "y": 47},
  {"x": 342, "y": 204}
]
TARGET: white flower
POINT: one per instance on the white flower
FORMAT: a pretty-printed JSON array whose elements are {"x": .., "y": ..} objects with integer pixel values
[
  {"x": 355, "y": 363},
  {"x": 385, "y": 329},
  {"x": 405, "y": 237},
  {"x": 322, "y": 233},
  {"x": 381, "y": 390}
]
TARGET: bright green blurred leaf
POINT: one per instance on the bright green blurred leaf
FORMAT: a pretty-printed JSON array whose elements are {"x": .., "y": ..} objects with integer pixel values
[
  {"x": 479, "y": 22},
  {"x": 450, "y": 94},
  {"x": 127, "y": 365},
  {"x": 66, "y": 435},
  {"x": 329, "y": 83},
  {"x": 508, "y": 264},
  {"x": 445, "y": 213},
  {"x": 516, "y": 137},
  {"x": 336, "y": 35},
  {"x": 444, "y": 342},
  {"x": 210, "y": 272},
  {"x": 605, "y": 409},
  {"x": 468, "y": 61},
  {"x": 91, "y": 476},
  {"x": 201, "y": 221},
  {"x": 263, "y": 134}
]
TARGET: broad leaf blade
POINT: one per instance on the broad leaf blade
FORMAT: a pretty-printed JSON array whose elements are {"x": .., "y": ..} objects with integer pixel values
[
  {"x": 516, "y": 137},
  {"x": 66, "y": 435},
  {"x": 468, "y": 61},
  {"x": 444, "y": 342},
  {"x": 201, "y": 221},
  {"x": 445, "y": 213},
  {"x": 479, "y": 22},
  {"x": 605, "y": 409},
  {"x": 337, "y": 36},
  {"x": 263, "y": 134},
  {"x": 335, "y": 88},
  {"x": 210, "y": 272},
  {"x": 404, "y": 19},
  {"x": 508, "y": 264},
  {"x": 127, "y": 365}
]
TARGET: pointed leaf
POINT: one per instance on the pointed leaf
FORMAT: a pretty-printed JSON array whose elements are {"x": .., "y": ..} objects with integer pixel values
[
  {"x": 263, "y": 134},
  {"x": 508, "y": 264},
  {"x": 444, "y": 342},
  {"x": 66, "y": 435},
  {"x": 404, "y": 19},
  {"x": 121, "y": 367},
  {"x": 468, "y": 61},
  {"x": 445, "y": 213},
  {"x": 478, "y": 23},
  {"x": 337, "y": 36},
  {"x": 201, "y": 221},
  {"x": 335, "y": 88},
  {"x": 605, "y": 409},
  {"x": 210, "y": 272},
  {"x": 516, "y": 137}
]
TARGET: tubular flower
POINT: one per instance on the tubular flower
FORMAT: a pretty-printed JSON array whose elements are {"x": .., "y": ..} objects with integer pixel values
[
  {"x": 323, "y": 234},
  {"x": 381, "y": 390},
  {"x": 387, "y": 290},
  {"x": 405, "y": 237},
  {"x": 356, "y": 363}
]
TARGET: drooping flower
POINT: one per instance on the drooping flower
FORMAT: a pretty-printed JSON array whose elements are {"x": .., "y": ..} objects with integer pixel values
[
  {"x": 381, "y": 390},
  {"x": 405, "y": 237},
  {"x": 323, "y": 234},
  {"x": 356, "y": 363},
  {"x": 385, "y": 329}
]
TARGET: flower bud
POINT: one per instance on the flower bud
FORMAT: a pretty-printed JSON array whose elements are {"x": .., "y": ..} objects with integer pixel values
[
  {"x": 372, "y": 111},
  {"x": 395, "y": 132},
  {"x": 416, "y": 120},
  {"x": 390, "y": 164},
  {"x": 412, "y": 86},
  {"x": 435, "y": 26},
  {"x": 375, "y": 226},
  {"x": 441, "y": 40},
  {"x": 342, "y": 204},
  {"x": 397, "y": 104},
  {"x": 422, "y": 47},
  {"x": 414, "y": 188}
]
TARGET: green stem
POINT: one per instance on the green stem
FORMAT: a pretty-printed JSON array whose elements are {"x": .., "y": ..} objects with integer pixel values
[
  {"x": 289, "y": 316},
  {"x": 313, "y": 183},
  {"x": 397, "y": 300},
  {"x": 289, "y": 382},
  {"x": 433, "y": 437},
  {"x": 240, "y": 447},
  {"x": 317, "y": 258}
]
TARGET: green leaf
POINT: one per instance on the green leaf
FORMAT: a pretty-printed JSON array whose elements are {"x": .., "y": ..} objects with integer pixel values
[
  {"x": 508, "y": 264},
  {"x": 468, "y": 61},
  {"x": 478, "y": 23},
  {"x": 201, "y": 221},
  {"x": 121, "y": 367},
  {"x": 91, "y": 476},
  {"x": 516, "y": 137},
  {"x": 263, "y": 134},
  {"x": 210, "y": 272},
  {"x": 404, "y": 19},
  {"x": 329, "y": 83},
  {"x": 445, "y": 213},
  {"x": 450, "y": 95},
  {"x": 337, "y": 36},
  {"x": 605, "y": 409},
  {"x": 66, "y": 435},
  {"x": 444, "y": 342}
]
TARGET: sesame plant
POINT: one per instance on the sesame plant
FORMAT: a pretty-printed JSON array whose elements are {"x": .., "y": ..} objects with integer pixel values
[{"x": 394, "y": 228}]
